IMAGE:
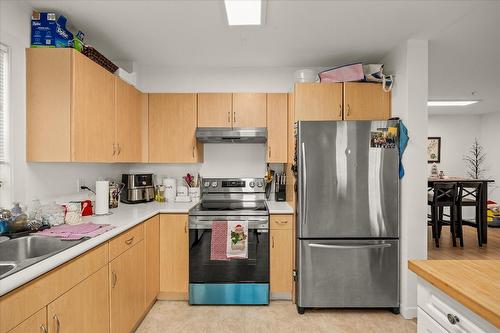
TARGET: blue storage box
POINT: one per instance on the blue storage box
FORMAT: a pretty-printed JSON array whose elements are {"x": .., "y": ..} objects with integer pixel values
[{"x": 43, "y": 29}]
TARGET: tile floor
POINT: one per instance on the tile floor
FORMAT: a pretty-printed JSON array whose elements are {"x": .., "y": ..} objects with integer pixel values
[{"x": 179, "y": 317}]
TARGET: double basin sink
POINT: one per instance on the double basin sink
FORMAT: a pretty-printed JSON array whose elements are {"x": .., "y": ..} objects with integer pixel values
[{"x": 19, "y": 253}]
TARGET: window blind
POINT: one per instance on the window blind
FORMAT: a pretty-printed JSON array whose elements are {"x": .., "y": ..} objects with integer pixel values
[{"x": 3, "y": 100}]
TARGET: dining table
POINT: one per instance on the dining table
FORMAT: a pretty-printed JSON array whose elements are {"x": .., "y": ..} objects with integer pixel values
[{"x": 484, "y": 196}]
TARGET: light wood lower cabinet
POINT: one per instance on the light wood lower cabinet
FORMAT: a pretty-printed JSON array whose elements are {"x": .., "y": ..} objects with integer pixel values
[
  {"x": 84, "y": 308},
  {"x": 152, "y": 238},
  {"x": 281, "y": 256},
  {"x": 127, "y": 290},
  {"x": 34, "y": 324},
  {"x": 174, "y": 256}
]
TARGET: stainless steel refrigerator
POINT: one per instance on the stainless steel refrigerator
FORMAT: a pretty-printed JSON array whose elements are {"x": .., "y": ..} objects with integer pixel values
[{"x": 348, "y": 214}]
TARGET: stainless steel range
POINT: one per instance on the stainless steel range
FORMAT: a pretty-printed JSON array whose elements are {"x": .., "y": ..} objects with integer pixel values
[{"x": 237, "y": 281}]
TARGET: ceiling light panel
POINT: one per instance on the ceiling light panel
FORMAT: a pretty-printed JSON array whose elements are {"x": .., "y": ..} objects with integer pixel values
[
  {"x": 450, "y": 103},
  {"x": 243, "y": 12}
]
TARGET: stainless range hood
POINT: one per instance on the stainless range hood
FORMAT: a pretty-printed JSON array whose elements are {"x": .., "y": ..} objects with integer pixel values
[{"x": 231, "y": 135}]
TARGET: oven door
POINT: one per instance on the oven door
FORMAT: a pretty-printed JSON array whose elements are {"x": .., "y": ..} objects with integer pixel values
[{"x": 255, "y": 269}]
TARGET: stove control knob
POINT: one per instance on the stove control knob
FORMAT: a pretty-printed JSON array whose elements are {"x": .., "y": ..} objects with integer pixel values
[
  {"x": 259, "y": 184},
  {"x": 252, "y": 184},
  {"x": 214, "y": 184},
  {"x": 206, "y": 184}
]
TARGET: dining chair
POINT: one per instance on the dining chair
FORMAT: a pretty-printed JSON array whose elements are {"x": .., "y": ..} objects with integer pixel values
[
  {"x": 444, "y": 195},
  {"x": 469, "y": 195}
]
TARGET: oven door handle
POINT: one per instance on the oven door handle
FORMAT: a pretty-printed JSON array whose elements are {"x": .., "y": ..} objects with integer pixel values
[{"x": 207, "y": 224}]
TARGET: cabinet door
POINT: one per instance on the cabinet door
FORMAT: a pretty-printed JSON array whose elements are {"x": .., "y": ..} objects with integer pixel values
[
  {"x": 129, "y": 123},
  {"x": 215, "y": 110},
  {"x": 127, "y": 278},
  {"x": 152, "y": 259},
  {"x": 366, "y": 101},
  {"x": 277, "y": 123},
  {"x": 93, "y": 116},
  {"x": 35, "y": 323},
  {"x": 172, "y": 126},
  {"x": 281, "y": 257},
  {"x": 249, "y": 110},
  {"x": 174, "y": 254},
  {"x": 318, "y": 101},
  {"x": 84, "y": 308}
]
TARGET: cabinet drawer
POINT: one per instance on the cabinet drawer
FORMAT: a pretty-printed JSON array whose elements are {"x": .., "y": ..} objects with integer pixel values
[
  {"x": 281, "y": 222},
  {"x": 125, "y": 241},
  {"x": 451, "y": 315},
  {"x": 425, "y": 324}
]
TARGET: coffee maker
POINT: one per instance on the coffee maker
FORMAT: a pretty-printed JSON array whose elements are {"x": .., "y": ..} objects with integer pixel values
[{"x": 138, "y": 188}]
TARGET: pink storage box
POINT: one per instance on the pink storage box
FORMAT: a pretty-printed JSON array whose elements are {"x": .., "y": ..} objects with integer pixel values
[{"x": 346, "y": 73}]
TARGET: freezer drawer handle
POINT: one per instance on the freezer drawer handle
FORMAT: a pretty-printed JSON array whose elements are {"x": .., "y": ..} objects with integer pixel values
[{"x": 366, "y": 246}]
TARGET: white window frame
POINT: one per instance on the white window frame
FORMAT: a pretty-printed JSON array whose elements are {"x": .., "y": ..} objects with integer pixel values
[{"x": 5, "y": 167}]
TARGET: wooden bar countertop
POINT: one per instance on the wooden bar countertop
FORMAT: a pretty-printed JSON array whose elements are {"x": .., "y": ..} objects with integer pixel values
[{"x": 473, "y": 283}]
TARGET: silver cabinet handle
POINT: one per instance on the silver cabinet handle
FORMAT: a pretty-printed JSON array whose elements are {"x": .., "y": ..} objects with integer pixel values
[
  {"x": 114, "y": 279},
  {"x": 58, "y": 324},
  {"x": 269, "y": 151},
  {"x": 340, "y": 111},
  {"x": 114, "y": 149},
  {"x": 365, "y": 246},
  {"x": 348, "y": 110},
  {"x": 282, "y": 222},
  {"x": 304, "y": 184},
  {"x": 234, "y": 117},
  {"x": 229, "y": 117},
  {"x": 193, "y": 151},
  {"x": 272, "y": 238},
  {"x": 43, "y": 329},
  {"x": 119, "y": 149},
  {"x": 130, "y": 240},
  {"x": 453, "y": 319}
]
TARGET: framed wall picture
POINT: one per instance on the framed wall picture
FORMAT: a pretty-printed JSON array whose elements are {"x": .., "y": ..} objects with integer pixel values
[{"x": 434, "y": 149}]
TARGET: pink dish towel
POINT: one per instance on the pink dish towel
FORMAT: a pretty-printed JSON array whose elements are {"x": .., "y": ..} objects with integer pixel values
[
  {"x": 77, "y": 231},
  {"x": 218, "y": 242}
]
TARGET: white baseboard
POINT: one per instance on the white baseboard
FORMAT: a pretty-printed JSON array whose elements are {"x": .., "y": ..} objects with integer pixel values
[{"x": 408, "y": 312}]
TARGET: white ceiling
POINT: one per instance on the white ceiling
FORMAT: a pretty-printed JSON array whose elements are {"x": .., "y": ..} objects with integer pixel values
[{"x": 464, "y": 36}]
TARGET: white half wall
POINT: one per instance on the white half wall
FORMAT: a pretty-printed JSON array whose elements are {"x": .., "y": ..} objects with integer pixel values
[
  {"x": 457, "y": 135},
  {"x": 409, "y": 62}
]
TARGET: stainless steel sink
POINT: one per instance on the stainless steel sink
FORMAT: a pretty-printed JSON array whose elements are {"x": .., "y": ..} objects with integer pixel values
[{"x": 17, "y": 254}]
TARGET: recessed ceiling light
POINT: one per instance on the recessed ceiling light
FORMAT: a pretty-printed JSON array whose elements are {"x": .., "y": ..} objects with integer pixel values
[
  {"x": 450, "y": 103},
  {"x": 243, "y": 12}
]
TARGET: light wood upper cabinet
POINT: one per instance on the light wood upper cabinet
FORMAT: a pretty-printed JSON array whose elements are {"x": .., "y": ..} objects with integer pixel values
[
  {"x": 93, "y": 116},
  {"x": 131, "y": 122},
  {"x": 35, "y": 323},
  {"x": 249, "y": 109},
  {"x": 84, "y": 308},
  {"x": 48, "y": 103},
  {"x": 281, "y": 255},
  {"x": 277, "y": 109},
  {"x": 366, "y": 101},
  {"x": 172, "y": 126},
  {"x": 174, "y": 256},
  {"x": 215, "y": 110},
  {"x": 318, "y": 101},
  {"x": 152, "y": 238},
  {"x": 127, "y": 290}
]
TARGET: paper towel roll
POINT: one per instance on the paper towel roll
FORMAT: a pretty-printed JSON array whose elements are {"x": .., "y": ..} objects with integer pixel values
[
  {"x": 101, "y": 197},
  {"x": 170, "y": 189}
]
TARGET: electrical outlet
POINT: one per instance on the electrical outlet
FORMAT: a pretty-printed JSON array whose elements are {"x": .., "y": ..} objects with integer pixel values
[{"x": 79, "y": 183}]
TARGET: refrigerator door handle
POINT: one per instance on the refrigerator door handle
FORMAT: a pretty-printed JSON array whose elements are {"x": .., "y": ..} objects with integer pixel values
[
  {"x": 365, "y": 246},
  {"x": 304, "y": 185}
]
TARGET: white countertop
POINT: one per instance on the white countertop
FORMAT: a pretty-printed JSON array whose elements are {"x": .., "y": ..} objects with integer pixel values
[{"x": 123, "y": 218}]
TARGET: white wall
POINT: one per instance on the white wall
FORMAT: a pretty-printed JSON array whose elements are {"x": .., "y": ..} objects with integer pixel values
[
  {"x": 409, "y": 62},
  {"x": 457, "y": 135},
  {"x": 490, "y": 139},
  {"x": 30, "y": 180}
]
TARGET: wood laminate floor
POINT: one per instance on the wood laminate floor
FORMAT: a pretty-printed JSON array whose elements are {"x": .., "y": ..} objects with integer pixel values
[
  {"x": 179, "y": 317},
  {"x": 470, "y": 251}
]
